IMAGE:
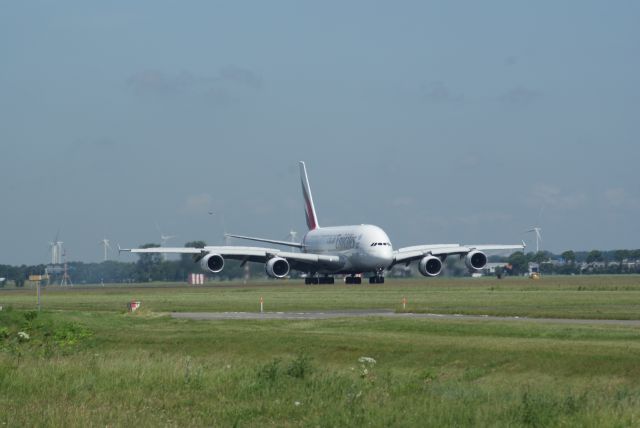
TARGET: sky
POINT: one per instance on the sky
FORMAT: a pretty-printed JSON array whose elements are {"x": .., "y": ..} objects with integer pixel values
[{"x": 440, "y": 121}]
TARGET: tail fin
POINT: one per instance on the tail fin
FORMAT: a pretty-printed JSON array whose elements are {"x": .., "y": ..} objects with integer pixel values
[{"x": 310, "y": 210}]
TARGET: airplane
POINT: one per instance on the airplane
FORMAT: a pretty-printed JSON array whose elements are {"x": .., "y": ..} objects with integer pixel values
[{"x": 337, "y": 250}]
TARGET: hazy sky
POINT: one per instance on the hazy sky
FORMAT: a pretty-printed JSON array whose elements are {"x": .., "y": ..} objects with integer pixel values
[{"x": 441, "y": 122}]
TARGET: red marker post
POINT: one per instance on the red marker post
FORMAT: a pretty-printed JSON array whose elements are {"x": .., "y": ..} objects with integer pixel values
[{"x": 404, "y": 303}]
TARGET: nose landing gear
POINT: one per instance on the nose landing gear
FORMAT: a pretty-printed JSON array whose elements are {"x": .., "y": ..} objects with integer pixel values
[{"x": 352, "y": 279}]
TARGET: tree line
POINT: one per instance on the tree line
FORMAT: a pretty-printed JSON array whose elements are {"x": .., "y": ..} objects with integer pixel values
[
  {"x": 574, "y": 262},
  {"x": 148, "y": 268},
  {"x": 153, "y": 267}
]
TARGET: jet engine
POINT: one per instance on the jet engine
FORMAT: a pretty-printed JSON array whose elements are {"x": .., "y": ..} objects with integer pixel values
[
  {"x": 475, "y": 260},
  {"x": 212, "y": 262},
  {"x": 277, "y": 267},
  {"x": 430, "y": 266}
]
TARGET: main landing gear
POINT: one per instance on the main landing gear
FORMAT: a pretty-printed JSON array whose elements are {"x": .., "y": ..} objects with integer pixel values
[
  {"x": 319, "y": 280},
  {"x": 378, "y": 278},
  {"x": 311, "y": 279}
]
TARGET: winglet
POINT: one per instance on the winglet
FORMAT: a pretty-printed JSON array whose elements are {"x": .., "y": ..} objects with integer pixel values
[
  {"x": 122, "y": 249},
  {"x": 310, "y": 210},
  {"x": 524, "y": 245}
]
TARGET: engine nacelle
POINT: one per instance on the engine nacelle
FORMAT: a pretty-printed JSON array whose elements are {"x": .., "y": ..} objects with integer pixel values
[
  {"x": 212, "y": 263},
  {"x": 475, "y": 260},
  {"x": 430, "y": 266},
  {"x": 277, "y": 267}
]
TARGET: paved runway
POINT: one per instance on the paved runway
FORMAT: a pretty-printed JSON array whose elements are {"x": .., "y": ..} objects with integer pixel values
[{"x": 318, "y": 315}]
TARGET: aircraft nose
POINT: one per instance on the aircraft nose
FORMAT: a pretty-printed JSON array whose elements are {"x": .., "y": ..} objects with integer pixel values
[{"x": 383, "y": 256}]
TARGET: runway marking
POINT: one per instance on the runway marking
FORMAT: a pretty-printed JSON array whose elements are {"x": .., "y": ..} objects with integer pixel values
[{"x": 387, "y": 313}]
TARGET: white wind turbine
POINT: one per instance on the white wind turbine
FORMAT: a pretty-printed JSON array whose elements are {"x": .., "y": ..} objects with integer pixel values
[
  {"x": 56, "y": 250},
  {"x": 105, "y": 244},
  {"x": 292, "y": 236},
  {"x": 164, "y": 239},
  {"x": 536, "y": 230},
  {"x": 53, "y": 248}
]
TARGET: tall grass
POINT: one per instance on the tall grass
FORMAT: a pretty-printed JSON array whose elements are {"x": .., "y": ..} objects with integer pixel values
[
  {"x": 146, "y": 370},
  {"x": 151, "y": 389}
]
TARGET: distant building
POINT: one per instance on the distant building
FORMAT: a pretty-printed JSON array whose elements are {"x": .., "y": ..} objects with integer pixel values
[
  {"x": 534, "y": 270},
  {"x": 490, "y": 268}
]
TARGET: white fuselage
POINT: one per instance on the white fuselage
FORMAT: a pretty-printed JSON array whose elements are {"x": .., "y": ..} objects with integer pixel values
[{"x": 361, "y": 248}]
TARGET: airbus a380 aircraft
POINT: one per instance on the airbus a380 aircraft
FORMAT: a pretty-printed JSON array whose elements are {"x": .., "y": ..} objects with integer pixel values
[{"x": 327, "y": 251}]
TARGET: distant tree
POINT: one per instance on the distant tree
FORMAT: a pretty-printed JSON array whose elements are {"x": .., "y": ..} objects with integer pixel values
[
  {"x": 594, "y": 256},
  {"x": 187, "y": 258},
  {"x": 186, "y": 264},
  {"x": 620, "y": 256},
  {"x": 540, "y": 257},
  {"x": 569, "y": 256},
  {"x": 519, "y": 263},
  {"x": 147, "y": 265}
]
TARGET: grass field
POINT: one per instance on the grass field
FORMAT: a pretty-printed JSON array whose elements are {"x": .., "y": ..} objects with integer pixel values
[{"x": 89, "y": 363}]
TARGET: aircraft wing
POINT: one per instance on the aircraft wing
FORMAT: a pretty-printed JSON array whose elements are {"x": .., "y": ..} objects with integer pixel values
[
  {"x": 299, "y": 261},
  {"x": 408, "y": 254},
  {"x": 163, "y": 250},
  {"x": 270, "y": 241}
]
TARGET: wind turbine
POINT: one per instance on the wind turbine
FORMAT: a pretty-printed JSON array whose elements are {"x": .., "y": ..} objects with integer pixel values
[
  {"x": 292, "y": 235},
  {"x": 220, "y": 215},
  {"x": 105, "y": 244},
  {"x": 537, "y": 230},
  {"x": 56, "y": 249},
  {"x": 164, "y": 239},
  {"x": 53, "y": 249}
]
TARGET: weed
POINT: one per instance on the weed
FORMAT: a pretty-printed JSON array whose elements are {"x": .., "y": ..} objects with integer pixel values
[
  {"x": 536, "y": 410},
  {"x": 428, "y": 376},
  {"x": 573, "y": 404},
  {"x": 270, "y": 371},
  {"x": 193, "y": 374},
  {"x": 30, "y": 316},
  {"x": 300, "y": 366}
]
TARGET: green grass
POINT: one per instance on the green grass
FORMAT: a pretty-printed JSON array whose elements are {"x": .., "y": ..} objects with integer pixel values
[
  {"x": 600, "y": 297},
  {"x": 88, "y": 363}
]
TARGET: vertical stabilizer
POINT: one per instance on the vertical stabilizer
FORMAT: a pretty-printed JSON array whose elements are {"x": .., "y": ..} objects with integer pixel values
[{"x": 309, "y": 208}]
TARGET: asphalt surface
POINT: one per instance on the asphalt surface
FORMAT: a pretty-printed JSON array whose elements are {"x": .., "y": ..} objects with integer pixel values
[{"x": 385, "y": 313}]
